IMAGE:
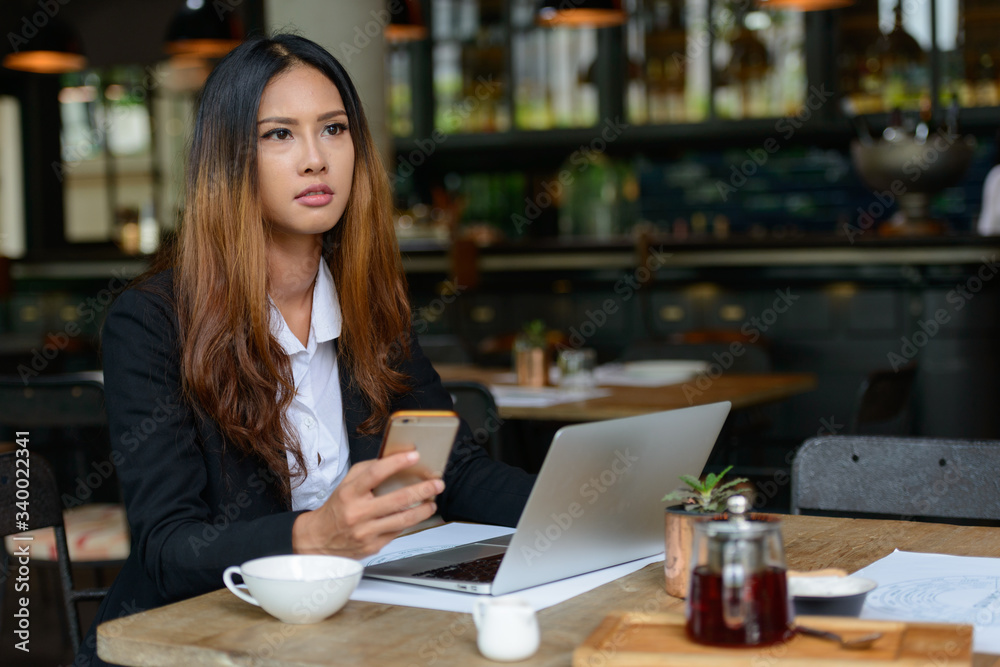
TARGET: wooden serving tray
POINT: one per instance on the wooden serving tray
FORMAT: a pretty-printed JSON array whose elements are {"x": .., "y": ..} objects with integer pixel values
[{"x": 652, "y": 640}]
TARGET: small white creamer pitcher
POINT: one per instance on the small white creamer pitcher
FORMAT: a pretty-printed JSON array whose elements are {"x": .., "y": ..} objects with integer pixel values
[{"x": 508, "y": 629}]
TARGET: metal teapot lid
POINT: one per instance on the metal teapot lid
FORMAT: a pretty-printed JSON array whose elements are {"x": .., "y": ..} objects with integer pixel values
[{"x": 738, "y": 526}]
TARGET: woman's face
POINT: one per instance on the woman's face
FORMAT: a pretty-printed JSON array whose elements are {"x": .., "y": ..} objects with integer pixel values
[{"x": 305, "y": 153}]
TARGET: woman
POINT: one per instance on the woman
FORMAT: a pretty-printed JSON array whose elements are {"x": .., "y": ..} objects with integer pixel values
[
  {"x": 989, "y": 214},
  {"x": 249, "y": 376}
]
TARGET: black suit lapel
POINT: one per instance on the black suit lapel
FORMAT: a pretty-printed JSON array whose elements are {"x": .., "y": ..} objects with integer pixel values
[{"x": 363, "y": 447}]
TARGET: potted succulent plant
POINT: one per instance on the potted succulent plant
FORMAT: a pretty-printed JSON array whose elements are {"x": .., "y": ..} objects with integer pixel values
[
  {"x": 531, "y": 354},
  {"x": 697, "y": 499}
]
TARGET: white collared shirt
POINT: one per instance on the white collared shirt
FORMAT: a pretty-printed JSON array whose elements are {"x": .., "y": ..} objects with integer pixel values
[{"x": 316, "y": 412}]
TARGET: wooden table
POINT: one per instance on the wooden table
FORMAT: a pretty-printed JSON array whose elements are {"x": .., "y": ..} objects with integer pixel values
[
  {"x": 742, "y": 390},
  {"x": 219, "y": 629}
]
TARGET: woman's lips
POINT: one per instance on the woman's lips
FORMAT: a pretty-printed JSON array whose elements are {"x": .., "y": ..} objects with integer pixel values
[{"x": 319, "y": 199}]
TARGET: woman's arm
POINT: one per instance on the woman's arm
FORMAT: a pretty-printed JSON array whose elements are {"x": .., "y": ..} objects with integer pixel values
[{"x": 188, "y": 523}]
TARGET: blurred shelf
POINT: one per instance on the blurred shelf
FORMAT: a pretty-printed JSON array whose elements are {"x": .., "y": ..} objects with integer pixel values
[
  {"x": 550, "y": 148},
  {"x": 510, "y": 150},
  {"x": 622, "y": 253}
]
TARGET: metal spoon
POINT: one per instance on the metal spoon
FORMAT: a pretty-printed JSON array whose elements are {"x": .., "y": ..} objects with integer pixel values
[{"x": 855, "y": 643}]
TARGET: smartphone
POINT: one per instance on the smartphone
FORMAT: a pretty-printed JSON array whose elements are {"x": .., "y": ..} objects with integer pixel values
[{"x": 430, "y": 432}]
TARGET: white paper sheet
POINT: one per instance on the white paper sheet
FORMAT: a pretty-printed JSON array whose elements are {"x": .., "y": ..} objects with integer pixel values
[
  {"x": 454, "y": 534},
  {"x": 938, "y": 588}
]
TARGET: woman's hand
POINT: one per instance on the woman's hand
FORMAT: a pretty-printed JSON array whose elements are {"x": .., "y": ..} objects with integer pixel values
[{"x": 354, "y": 522}]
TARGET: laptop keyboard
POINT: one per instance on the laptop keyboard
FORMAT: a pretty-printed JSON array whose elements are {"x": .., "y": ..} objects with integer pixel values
[{"x": 481, "y": 570}]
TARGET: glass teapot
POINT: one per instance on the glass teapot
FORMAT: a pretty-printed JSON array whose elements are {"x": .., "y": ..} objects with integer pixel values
[{"x": 739, "y": 591}]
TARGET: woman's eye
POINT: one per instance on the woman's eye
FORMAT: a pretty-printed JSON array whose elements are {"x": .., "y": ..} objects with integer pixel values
[
  {"x": 336, "y": 128},
  {"x": 280, "y": 134}
]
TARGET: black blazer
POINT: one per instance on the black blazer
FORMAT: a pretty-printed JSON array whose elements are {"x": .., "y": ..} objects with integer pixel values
[{"x": 196, "y": 506}]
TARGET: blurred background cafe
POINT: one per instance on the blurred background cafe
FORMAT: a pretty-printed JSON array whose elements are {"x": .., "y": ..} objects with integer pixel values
[{"x": 806, "y": 182}]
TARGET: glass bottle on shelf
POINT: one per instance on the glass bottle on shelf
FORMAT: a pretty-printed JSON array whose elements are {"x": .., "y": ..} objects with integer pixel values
[
  {"x": 399, "y": 90},
  {"x": 904, "y": 65},
  {"x": 745, "y": 63},
  {"x": 759, "y": 60},
  {"x": 666, "y": 43},
  {"x": 860, "y": 70},
  {"x": 979, "y": 49},
  {"x": 469, "y": 66},
  {"x": 883, "y": 53},
  {"x": 555, "y": 80},
  {"x": 667, "y": 63},
  {"x": 484, "y": 71},
  {"x": 532, "y": 109}
]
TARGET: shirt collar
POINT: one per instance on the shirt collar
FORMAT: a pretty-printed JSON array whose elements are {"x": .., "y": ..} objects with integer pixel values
[
  {"x": 325, "y": 319},
  {"x": 326, "y": 316}
]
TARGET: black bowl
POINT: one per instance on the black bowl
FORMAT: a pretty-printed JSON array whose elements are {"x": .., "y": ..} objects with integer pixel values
[{"x": 829, "y": 596}]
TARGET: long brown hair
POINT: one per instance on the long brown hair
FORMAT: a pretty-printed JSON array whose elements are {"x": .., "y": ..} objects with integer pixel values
[{"x": 233, "y": 369}]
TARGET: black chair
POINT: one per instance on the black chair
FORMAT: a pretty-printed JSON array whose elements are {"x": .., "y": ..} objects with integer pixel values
[
  {"x": 65, "y": 415},
  {"x": 898, "y": 477},
  {"x": 883, "y": 401},
  {"x": 44, "y": 509},
  {"x": 475, "y": 404}
]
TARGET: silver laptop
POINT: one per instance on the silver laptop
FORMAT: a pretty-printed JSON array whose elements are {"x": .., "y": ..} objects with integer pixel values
[{"x": 596, "y": 503}]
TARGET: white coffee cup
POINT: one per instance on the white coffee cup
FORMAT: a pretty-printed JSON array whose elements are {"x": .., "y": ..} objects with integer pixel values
[
  {"x": 296, "y": 588},
  {"x": 508, "y": 629}
]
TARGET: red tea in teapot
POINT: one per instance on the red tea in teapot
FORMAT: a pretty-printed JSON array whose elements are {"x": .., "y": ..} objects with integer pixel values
[{"x": 767, "y": 619}]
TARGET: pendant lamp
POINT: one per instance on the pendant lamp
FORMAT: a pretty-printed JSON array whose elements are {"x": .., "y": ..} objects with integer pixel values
[
  {"x": 197, "y": 29},
  {"x": 804, "y": 5},
  {"x": 406, "y": 23},
  {"x": 580, "y": 13},
  {"x": 55, "y": 49}
]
